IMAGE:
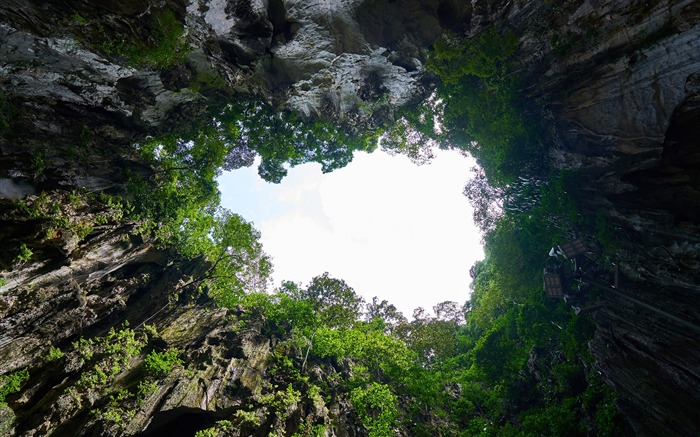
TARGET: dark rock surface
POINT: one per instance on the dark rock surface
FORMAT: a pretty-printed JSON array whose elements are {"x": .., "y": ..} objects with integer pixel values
[{"x": 620, "y": 80}]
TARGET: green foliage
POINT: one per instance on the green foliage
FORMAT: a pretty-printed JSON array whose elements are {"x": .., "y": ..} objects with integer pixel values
[
  {"x": 114, "y": 413},
  {"x": 103, "y": 358},
  {"x": 238, "y": 263},
  {"x": 180, "y": 199},
  {"x": 160, "y": 364},
  {"x": 487, "y": 56},
  {"x": 39, "y": 163},
  {"x": 335, "y": 304},
  {"x": 509, "y": 370},
  {"x": 180, "y": 204},
  {"x": 385, "y": 312},
  {"x": 12, "y": 383},
  {"x": 53, "y": 354},
  {"x": 206, "y": 80},
  {"x": 483, "y": 111},
  {"x": 280, "y": 401},
  {"x": 214, "y": 431},
  {"x": 63, "y": 215},
  {"x": 516, "y": 366},
  {"x": 377, "y": 407},
  {"x": 165, "y": 45},
  {"x": 284, "y": 139},
  {"x": 25, "y": 254},
  {"x": 381, "y": 354},
  {"x": 433, "y": 340},
  {"x": 518, "y": 348},
  {"x": 183, "y": 179},
  {"x": 208, "y": 432},
  {"x": 306, "y": 429},
  {"x": 417, "y": 131},
  {"x": 150, "y": 330},
  {"x": 145, "y": 388},
  {"x": 79, "y": 19},
  {"x": 248, "y": 418}
]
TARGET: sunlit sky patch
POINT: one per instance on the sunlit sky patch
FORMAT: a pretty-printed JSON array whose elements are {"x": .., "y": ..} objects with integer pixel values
[{"x": 386, "y": 226}]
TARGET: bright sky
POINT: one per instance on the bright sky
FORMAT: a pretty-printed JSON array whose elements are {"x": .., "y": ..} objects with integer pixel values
[{"x": 386, "y": 226}]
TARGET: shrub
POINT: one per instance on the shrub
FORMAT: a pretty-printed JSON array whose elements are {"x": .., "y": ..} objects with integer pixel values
[
  {"x": 160, "y": 364},
  {"x": 53, "y": 354},
  {"x": 11, "y": 383},
  {"x": 25, "y": 253}
]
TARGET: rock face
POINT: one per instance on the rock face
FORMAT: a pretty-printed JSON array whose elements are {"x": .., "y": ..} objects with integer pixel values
[
  {"x": 230, "y": 369},
  {"x": 620, "y": 81},
  {"x": 83, "y": 74},
  {"x": 348, "y": 60}
]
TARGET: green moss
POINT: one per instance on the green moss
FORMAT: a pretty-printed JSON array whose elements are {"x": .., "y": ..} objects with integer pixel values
[
  {"x": 6, "y": 114},
  {"x": 165, "y": 46},
  {"x": 78, "y": 19},
  {"x": 207, "y": 80}
]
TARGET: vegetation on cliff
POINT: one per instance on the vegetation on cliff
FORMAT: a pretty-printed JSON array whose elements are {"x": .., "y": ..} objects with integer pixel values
[{"x": 507, "y": 362}]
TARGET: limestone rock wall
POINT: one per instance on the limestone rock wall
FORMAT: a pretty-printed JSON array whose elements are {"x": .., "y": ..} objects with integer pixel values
[
  {"x": 619, "y": 79},
  {"x": 106, "y": 300},
  {"x": 348, "y": 60}
]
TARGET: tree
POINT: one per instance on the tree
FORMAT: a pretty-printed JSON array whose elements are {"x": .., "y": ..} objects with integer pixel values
[
  {"x": 486, "y": 200},
  {"x": 384, "y": 311},
  {"x": 483, "y": 111},
  {"x": 449, "y": 311},
  {"x": 282, "y": 139},
  {"x": 377, "y": 407},
  {"x": 237, "y": 263},
  {"x": 433, "y": 338},
  {"x": 335, "y": 305}
]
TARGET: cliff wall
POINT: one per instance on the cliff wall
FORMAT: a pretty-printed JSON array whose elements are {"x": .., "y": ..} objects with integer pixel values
[{"x": 620, "y": 80}]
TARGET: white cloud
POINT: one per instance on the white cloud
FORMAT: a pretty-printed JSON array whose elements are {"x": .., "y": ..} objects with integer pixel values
[{"x": 384, "y": 225}]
